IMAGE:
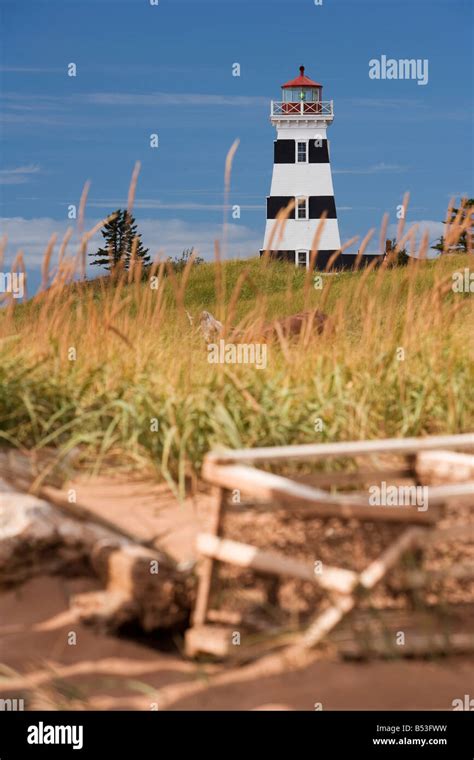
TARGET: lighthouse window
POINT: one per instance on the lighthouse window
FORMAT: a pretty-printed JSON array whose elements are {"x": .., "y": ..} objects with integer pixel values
[
  {"x": 302, "y": 259},
  {"x": 301, "y": 208},
  {"x": 301, "y": 152}
]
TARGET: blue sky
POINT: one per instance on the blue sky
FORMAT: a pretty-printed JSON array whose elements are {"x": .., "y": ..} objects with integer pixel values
[{"x": 167, "y": 69}]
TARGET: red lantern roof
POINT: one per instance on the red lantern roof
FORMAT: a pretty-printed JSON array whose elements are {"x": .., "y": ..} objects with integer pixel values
[{"x": 301, "y": 81}]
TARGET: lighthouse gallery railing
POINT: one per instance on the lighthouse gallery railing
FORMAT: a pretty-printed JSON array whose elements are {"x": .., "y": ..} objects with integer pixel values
[{"x": 283, "y": 108}]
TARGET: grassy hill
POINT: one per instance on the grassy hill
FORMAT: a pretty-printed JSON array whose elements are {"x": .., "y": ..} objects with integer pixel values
[{"x": 116, "y": 368}]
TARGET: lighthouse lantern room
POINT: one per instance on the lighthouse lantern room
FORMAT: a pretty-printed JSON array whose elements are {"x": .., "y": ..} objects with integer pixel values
[{"x": 302, "y": 174}]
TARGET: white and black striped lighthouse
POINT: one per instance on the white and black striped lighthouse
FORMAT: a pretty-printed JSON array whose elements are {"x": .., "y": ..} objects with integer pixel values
[{"x": 301, "y": 173}]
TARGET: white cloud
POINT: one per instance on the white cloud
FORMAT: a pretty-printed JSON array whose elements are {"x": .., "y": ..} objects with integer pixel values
[
  {"x": 167, "y": 237},
  {"x": 393, "y": 103},
  {"x": 84, "y": 109},
  {"x": 172, "y": 99},
  {"x": 28, "y": 70},
  {"x": 434, "y": 228},
  {"x": 19, "y": 175},
  {"x": 375, "y": 169},
  {"x": 407, "y": 109},
  {"x": 181, "y": 206}
]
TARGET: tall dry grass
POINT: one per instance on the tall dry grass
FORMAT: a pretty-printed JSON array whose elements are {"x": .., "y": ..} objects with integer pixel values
[{"x": 114, "y": 366}]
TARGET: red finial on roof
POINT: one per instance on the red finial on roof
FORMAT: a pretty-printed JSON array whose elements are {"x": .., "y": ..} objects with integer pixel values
[{"x": 302, "y": 71}]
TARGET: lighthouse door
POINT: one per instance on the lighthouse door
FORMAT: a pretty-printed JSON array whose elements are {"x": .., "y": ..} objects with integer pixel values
[{"x": 302, "y": 258}]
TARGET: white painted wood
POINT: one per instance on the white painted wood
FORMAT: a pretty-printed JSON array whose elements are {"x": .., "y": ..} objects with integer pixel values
[
  {"x": 301, "y": 179},
  {"x": 320, "y": 109},
  {"x": 303, "y": 132},
  {"x": 299, "y": 233}
]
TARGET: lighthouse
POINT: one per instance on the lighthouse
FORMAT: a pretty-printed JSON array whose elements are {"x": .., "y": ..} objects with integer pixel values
[{"x": 302, "y": 175}]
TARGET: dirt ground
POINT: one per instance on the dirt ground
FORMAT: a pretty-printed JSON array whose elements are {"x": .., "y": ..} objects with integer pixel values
[
  {"x": 53, "y": 662},
  {"x": 109, "y": 673}
]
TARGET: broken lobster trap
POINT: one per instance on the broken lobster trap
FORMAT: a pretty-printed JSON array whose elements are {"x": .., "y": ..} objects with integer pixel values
[{"x": 435, "y": 463}]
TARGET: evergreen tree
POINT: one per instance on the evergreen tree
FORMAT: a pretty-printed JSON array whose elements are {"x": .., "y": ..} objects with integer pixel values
[
  {"x": 119, "y": 234},
  {"x": 464, "y": 244}
]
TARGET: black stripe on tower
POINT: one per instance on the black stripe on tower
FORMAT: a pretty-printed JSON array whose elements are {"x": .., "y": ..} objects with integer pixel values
[
  {"x": 285, "y": 152},
  {"x": 321, "y": 259},
  {"x": 320, "y": 203},
  {"x": 341, "y": 262},
  {"x": 318, "y": 152},
  {"x": 317, "y": 204}
]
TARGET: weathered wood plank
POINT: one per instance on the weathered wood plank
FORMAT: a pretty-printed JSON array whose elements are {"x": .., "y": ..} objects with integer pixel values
[
  {"x": 380, "y": 566},
  {"x": 206, "y": 569},
  {"x": 419, "y": 578},
  {"x": 244, "y": 555},
  {"x": 344, "y": 449},
  {"x": 275, "y": 488},
  {"x": 208, "y": 639},
  {"x": 416, "y": 645}
]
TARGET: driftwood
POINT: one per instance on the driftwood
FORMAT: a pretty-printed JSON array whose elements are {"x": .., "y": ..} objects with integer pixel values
[
  {"x": 30, "y": 470},
  {"x": 218, "y": 640},
  {"x": 36, "y": 539},
  {"x": 210, "y": 327},
  {"x": 53, "y": 535},
  {"x": 295, "y": 324},
  {"x": 140, "y": 585},
  {"x": 376, "y": 633},
  {"x": 42, "y": 474},
  {"x": 312, "y": 321}
]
